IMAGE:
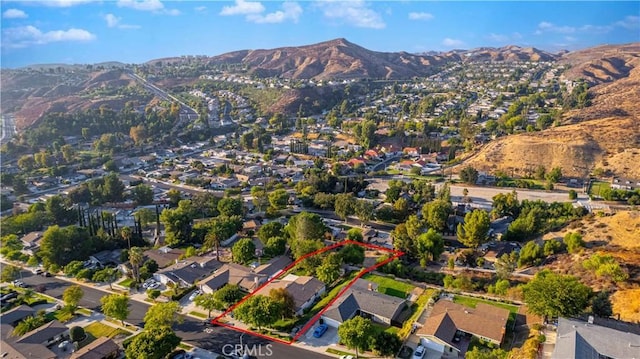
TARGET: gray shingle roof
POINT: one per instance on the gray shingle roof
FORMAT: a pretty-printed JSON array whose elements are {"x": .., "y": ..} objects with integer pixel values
[
  {"x": 16, "y": 314},
  {"x": 367, "y": 301},
  {"x": 578, "y": 339}
]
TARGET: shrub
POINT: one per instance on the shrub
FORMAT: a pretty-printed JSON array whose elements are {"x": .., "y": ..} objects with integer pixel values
[
  {"x": 153, "y": 293},
  {"x": 77, "y": 334}
]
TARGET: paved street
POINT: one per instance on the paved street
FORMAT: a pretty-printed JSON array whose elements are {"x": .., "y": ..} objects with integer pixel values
[{"x": 191, "y": 330}]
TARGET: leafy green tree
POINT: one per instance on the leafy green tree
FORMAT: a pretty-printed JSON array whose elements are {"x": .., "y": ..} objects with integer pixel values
[
  {"x": 174, "y": 196},
  {"x": 386, "y": 344},
  {"x": 552, "y": 247},
  {"x": 260, "y": 197},
  {"x": 229, "y": 294},
  {"x": 364, "y": 211},
  {"x": 155, "y": 343},
  {"x": 305, "y": 226},
  {"x": 275, "y": 246},
  {"x": 106, "y": 275},
  {"x": 162, "y": 315},
  {"x": 178, "y": 223},
  {"x": 469, "y": 175},
  {"x": 506, "y": 264},
  {"x": 73, "y": 268},
  {"x": 58, "y": 211},
  {"x": 531, "y": 253},
  {"x": 501, "y": 287},
  {"x": 115, "y": 306},
  {"x": 329, "y": 270},
  {"x": 573, "y": 194},
  {"x": 415, "y": 226},
  {"x": 573, "y": 241},
  {"x": 506, "y": 205},
  {"x": 402, "y": 241},
  {"x": 475, "y": 229},
  {"x": 145, "y": 216},
  {"x": 484, "y": 353},
  {"x": 304, "y": 247},
  {"x": 436, "y": 214},
  {"x": 28, "y": 324},
  {"x": 285, "y": 300},
  {"x": 601, "y": 305},
  {"x": 553, "y": 295},
  {"x": 142, "y": 194},
  {"x": 76, "y": 333},
  {"x": 352, "y": 254},
  {"x": 258, "y": 310},
  {"x": 429, "y": 246},
  {"x": 355, "y": 333},
  {"x": 208, "y": 302},
  {"x": 355, "y": 234},
  {"x": 270, "y": 230},
  {"x": 555, "y": 175},
  {"x": 10, "y": 273},
  {"x": 243, "y": 250},
  {"x": 218, "y": 230},
  {"x": 344, "y": 205},
  {"x": 230, "y": 206},
  {"x": 71, "y": 297},
  {"x": 279, "y": 199}
]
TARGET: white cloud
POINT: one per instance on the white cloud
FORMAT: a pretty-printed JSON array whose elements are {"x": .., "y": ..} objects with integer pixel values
[
  {"x": 200, "y": 8},
  {"x": 290, "y": 11},
  {"x": 243, "y": 8},
  {"x": 420, "y": 16},
  {"x": 497, "y": 37},
  {"x": 549, "y": 27},
  {"x": 64, "y": 3},
  {"x": 18, "y": 37},
  {"x": 355, "y": 12},
  {"x": 449, "y": 42},
  {"x": 629, "y": 22},
  {"x": 14, "y": 14},
  {"x": 155, "y": 6},
  {"x": 113, "y": 21}
]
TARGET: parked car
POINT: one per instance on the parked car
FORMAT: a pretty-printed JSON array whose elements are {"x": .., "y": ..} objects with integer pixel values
[
  {"x": 45, "y": 274},
  {"x": 38, "y": 271},
  {"x": 18, "y": 283},
  {"x": 8, "y": 296},
  {"x": 347, "y": 357},
  {"x": 419, "y": 353},
  {"x": 320, "y": 330},
  {"x": 195, "y": 293},
  {"x": 154, "y": 285}
]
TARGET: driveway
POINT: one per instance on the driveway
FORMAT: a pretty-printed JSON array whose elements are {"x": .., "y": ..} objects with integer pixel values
[{"x": 330, "y": 337}]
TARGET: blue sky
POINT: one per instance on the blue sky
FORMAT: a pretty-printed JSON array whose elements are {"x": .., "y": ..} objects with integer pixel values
[{"x": 135, "y": 31}]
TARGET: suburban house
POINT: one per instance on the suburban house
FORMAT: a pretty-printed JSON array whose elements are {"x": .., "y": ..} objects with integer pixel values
[
  {"x": 187, "y": 272},
  {"x": 363, "y": 299},
  {"x": 101, "y": 348},
  {"x": 232, "y": 273},
  {"x": 17, "y": 314},
  {"x": 34, "y": 343},
  {"x": 486, "y": 322},
  {"x": 603, "y": 339},
  {"x": 625, "y": 183},
  {"x": 164, "y": 256},
  {"x": 304, "y": 290},
  {"x": 246, "y": 278},
  {"x": 31, "y": 242},
  {"x": 494, "y": 250}
]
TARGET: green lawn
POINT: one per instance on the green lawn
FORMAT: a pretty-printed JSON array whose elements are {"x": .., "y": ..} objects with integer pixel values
[
  {"x": 98, "y": 330},
  {"x": 390, "y": 286},
  {"x": 126, "y": 283},
  {"x": 472, "y": 302},
  {"x": 596, "y": 187},
  {"x": 198, "y": 314}
]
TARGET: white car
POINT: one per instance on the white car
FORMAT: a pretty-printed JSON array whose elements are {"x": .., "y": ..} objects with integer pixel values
[
  {"x": 18, "y": 283},
  {"x": 154, "y": 285},
  {"x": 347, "y": 357},
  {"x": 194, "y": 295},
  {"x": 419, "y": 353}
]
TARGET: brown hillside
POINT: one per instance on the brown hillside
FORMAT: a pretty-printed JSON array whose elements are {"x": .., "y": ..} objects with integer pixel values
[{"x": 605, "y": 134}]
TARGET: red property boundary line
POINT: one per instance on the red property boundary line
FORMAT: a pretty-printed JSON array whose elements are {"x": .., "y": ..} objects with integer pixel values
[{"x": 396, "y": 254}]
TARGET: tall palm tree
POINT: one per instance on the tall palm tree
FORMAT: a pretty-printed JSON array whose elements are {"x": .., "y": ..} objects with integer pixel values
[
  {"x": 212, "y": 239},
  {"x": 135, "y": 259},
  {"x": 125, "y": 232}
]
